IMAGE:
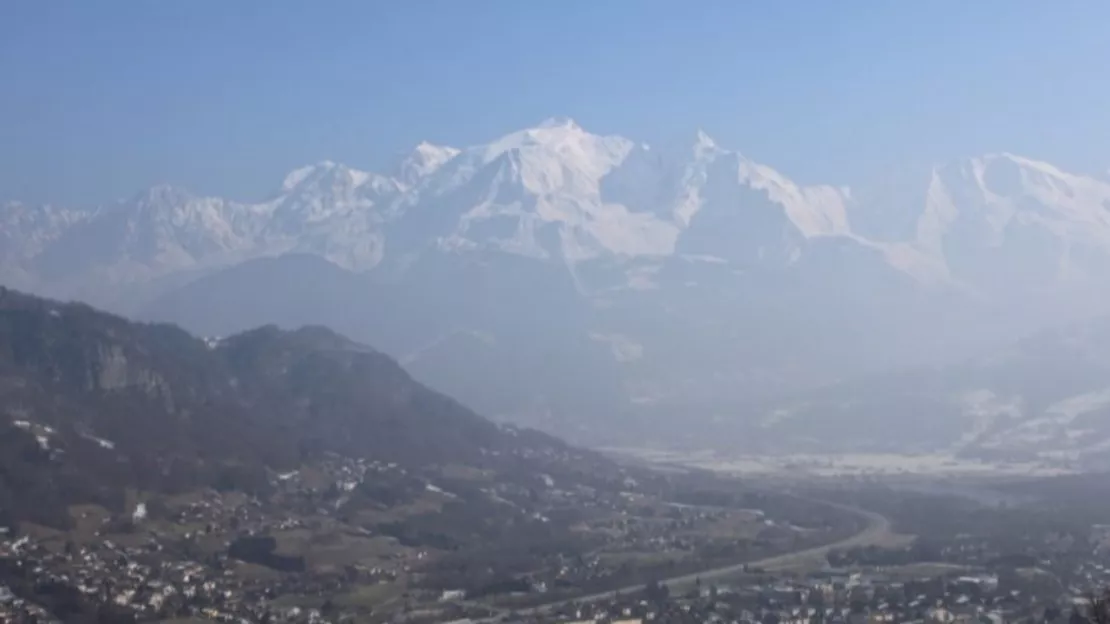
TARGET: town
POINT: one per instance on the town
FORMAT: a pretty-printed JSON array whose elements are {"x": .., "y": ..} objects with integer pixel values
[
  {"x": 924, "y": 593},
  {"x": 312, "y": 550},
  {"x": 347, "y": 539}
]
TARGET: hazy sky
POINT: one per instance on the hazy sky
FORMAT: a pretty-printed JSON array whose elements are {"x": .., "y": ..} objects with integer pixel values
[{"x": 99, "y": 99}]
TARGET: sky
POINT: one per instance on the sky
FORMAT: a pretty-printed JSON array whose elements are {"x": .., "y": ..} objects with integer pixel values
[{"x": 101, "y": 99}]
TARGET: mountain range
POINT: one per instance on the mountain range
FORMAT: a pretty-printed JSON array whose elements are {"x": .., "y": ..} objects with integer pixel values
[{"x": 596, "y": 286}]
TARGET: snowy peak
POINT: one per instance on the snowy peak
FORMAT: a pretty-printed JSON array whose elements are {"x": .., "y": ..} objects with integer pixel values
[
  {"x": 704, "y": 144},
  {"x": 565, "y": 123},
  {"x": 326, "y": 192},
  {"x": 544, "y": 184},
  {"x": 1006, "y": 192},
  {"x": 161, "y": 197},
  {"x": 820, "y": 210},
  {"x": 27, "y": 231},
  {"x": 556, "y": 191},
  {"x": 298, "y": 176},
  {"x": 327, "y": 176},
  {"x": 168, "y": 208},
  {"x": 1004, "y": 176},
  {"x": 553, "y": 159},
  {"x": 424, "y": 160},
  {"x": 611, "y": 197},
  {"x": 15, "y": 214},
  {"x": 995, "y": 217},
  {"x": 559, "y": 142}
]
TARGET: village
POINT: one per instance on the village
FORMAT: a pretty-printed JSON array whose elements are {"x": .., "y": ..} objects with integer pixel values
[
  {"x": 214, "y": 556},
  {"x": 346, "y": 539},
  {"x": 854, "y": 598},
  {"x": 353, "y": 540},
  {"x": 193, "y": 556},
  {"x": 967, "y": 580}
]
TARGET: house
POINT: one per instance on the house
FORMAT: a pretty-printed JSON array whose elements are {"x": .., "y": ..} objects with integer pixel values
[{"x": 452, "y": 594}]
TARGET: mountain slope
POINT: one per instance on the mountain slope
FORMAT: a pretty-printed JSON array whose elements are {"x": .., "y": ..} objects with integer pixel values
[
  {"x": 460, "y": 326},
  {"x": 1047, "y": 396},
  {"x": 93, "y": 404}
]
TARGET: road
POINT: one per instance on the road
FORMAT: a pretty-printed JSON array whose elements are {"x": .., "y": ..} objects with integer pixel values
[{"x": 878, "y": 528}]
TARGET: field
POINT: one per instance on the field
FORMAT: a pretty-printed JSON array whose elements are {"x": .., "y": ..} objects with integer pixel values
[{"x": 846, "y": 465}]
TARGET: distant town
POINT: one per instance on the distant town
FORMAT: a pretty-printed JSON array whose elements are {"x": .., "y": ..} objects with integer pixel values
[{"x": 230, "y": 557}]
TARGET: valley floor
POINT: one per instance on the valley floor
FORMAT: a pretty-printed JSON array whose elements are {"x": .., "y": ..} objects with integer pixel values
[
  {"x": 876, "y": 532},
  {"x": 843, "y": 465}
]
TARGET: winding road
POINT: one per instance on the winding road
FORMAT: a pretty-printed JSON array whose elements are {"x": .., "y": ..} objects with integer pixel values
[{"x": 877, "y": 529}]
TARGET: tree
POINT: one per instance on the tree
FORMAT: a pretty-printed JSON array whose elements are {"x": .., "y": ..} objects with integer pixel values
[{"x": 657, "y": 592}]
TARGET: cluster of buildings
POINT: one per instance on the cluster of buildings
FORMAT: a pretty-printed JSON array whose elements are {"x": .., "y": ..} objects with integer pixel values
[
  {"x": 692, "y": 537},
  {"x": 171, "y": 558},
  {"x": 161, "y": 562},
  {"x": 821, "y": 598},
  {"x": 136, "y": 583},
  {"x": 1040, "y": 587}
]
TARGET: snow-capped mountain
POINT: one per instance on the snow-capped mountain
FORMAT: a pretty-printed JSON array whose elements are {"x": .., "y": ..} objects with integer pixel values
[
  {"x": 560, "y": 193},
  {"x": 26, "y": 232},
  {"x": 998, "y": 219},
  {"x": 551, "y": 192},
  {"x": 664, "y": 277}
]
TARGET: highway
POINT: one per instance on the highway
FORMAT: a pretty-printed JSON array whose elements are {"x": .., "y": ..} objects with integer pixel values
[{"x": 877, "y": 529}]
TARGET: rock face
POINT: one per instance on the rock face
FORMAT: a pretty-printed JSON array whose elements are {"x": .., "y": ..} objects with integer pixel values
[{"x": 596, "y": 281}]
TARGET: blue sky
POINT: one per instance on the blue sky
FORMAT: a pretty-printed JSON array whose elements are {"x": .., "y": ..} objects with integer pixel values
[{"x": 99, "y": 99}]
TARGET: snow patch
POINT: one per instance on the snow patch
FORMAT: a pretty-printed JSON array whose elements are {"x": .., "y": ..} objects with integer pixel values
[
  {"x": 101, "y": 442},
  {"x": 438, "y": 490},
  {"x": 296, "y": 177}
]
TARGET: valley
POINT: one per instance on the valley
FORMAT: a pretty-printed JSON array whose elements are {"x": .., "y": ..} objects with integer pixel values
[
  {"x": 277, "y": 475},
  {"x": 300, "y": 477}
]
